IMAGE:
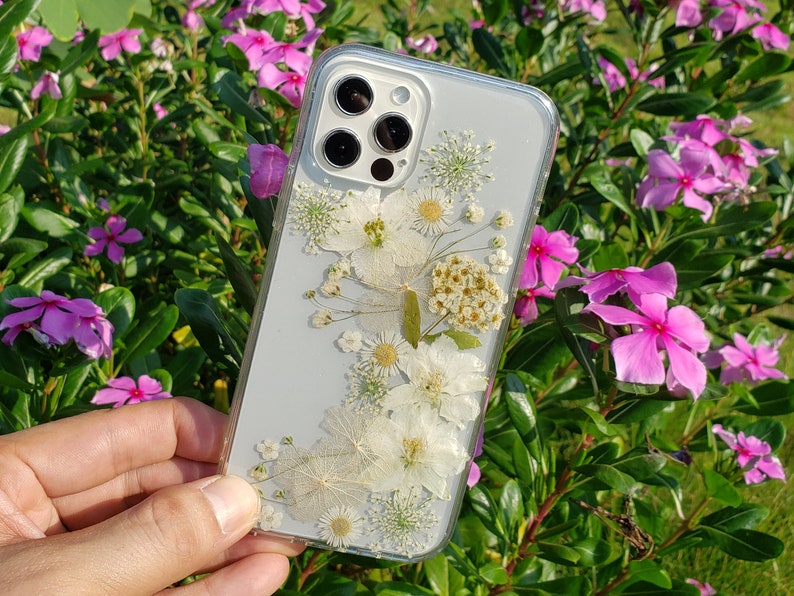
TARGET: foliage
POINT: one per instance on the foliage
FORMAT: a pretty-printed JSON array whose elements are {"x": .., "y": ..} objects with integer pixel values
[{"x": 587, "y": 471}]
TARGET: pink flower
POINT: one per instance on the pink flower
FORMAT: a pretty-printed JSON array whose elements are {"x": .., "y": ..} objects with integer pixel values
[
  {"x": 689, "y": 178},
  {"x": 595, "y": 8},
  {"x": 31, "y": 42},
  {"x": 93, "y": 335},
  {"x": 746, "y": 362},
  {"x": 612, "y": 75},
  {"x": 771, "y": 37},
  {"x": 776, "y": 252},
  {"x": 268, "y": 164},
  {"x": 287, "y": 82},
  {"x": 549, "y": 253},
  {"x": 734, "y": 16},
  {"x": 635, "y": 74},
  {"x": 754, "y": 456},
  {"x": 4, "y": 128},
  {"x": 110, "y": 236},
  {"x": 687, "y": 13},
  {"x": 47, "y": 84},
  {"x": 526, "y": 307},
  {"x": 532, "y": 11},
  {"x": 126, "y": 40},
  {"x": 635, "y": 281},
  {"x": 159, "y": 111},
  {"x": 678, "y": 331},
  {"x": 423, "y": 45},
  {"x": 124, "y": 390},
  {"x": 50, "y": 317},
  {"x": 705, "y": 589},
  {"x": 253, "y": 44}
]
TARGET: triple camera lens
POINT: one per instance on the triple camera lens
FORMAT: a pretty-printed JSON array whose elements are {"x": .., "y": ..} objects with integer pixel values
[{"x": 392, "y": 133}]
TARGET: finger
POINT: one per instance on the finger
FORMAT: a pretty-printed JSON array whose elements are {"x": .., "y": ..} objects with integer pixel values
[
  {"x": 99, "y": 503},
  {"x": 142, "y": 550},
  {"x": 261, "y": 573},
  {"x": 253, "y": 545},
  {"x": 108, "y": 443}
]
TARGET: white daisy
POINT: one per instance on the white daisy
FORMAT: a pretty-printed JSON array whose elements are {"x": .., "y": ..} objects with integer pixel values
[
  {"x": 428, "y": 209},
  {"x": 417, "y": 450},
  {"x": 385, "y": 352},
  {"x": 340, "y": 526},
  {"x": 268, "y": 449},
  {"x": 443, "y": 378}
]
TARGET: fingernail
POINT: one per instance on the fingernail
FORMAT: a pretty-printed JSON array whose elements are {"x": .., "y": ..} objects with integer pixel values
[{"x": 232, "y": 499}]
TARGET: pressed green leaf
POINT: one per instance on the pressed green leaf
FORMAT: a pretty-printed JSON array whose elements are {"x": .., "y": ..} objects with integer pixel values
[
  {"x": 747, "y": 545},
  {"x": 463, "y": 339},
  {"x": 108, "y": 16},
  {"x": 152, "y": 330},
  {"x": 718, "y": 487},
  {"x": 412, "y": 322},
  {"x": 684, "y": 105},
  {"x": 238, "y": 275},
  {"x": 198, "y": 307},
  {"x": 60, "y": 17}
]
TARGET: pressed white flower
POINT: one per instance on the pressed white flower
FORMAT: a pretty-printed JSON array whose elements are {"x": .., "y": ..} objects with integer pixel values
[
  {"x": 316, "y": 213},
  {"x": 456, "y": 164},
  {"x": 340, "y": 269},
  {"x": 259, "y": 472},
  {"x": 465, "y": 292},
  {"x": 503, "y": 219},
  {"x": 314, "y": 480},
  {"x": 367, "y": 388},
  {"x": 404, "y": 522},
  {"x": 268, "y": 449},
  {"x": 340, "y": 526},
  {"x": 385, "y": 352},
  {"x": 330, "y": 288},
  {"x": 322, "y": 318},
  {"x": 428, "y": 209},
  {"x": 474, "y": 213},
  {"x": 500, "y": 261},
  {"x": 350, "y": 341},
  {"x": 375, "y": 235},
  {"x": 443, "y": 378},
  {"x": 417, "y": 450},
  {"x": 498, "y": 241},
  {"x": 269, "y": 518}
]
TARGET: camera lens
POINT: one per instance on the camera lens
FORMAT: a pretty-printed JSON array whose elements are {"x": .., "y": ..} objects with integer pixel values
[
  {"x": 353, "y": 95},
  {"x": 392, "y": 132},
  {"x": 341, "y": 148}
]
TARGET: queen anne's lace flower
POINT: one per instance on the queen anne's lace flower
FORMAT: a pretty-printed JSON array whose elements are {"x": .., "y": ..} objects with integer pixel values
[
  {"x": 403, "y": 522},
  {"x": 316, "y": 213},
  {"x": 456, "y": 164}
]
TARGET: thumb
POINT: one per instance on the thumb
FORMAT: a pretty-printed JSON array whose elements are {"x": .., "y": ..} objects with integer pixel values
[{"x": 160, "y": 541}]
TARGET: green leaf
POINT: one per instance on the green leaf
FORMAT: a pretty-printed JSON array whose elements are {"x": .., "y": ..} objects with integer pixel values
[
  {"x": 437, "y": 574},
  {"x": 529, "y": 42},
  {"x": 522, "y": 413},
  {"x": 460, "y": 560},
  {"x": 80, "y": 54},
  {"x": 640, "y": 464},
  {"x": 8, "y": 59},
  {"x": 733, "y": 220},
  {"x": 150, "y": 332},
  {"x": 412, "y": 318},
  {"x": 234, "y": 93},
  {"x": 646, "y": 588},
  {"x": 12, "y": 381},
  {"x": 575, "y": 585},
  {"x": 10, "y": 207},
  {"x": 610, "y": 255},
  {"x": 463, "y": 339},
  {"x": 558, "y": 553},
  {"x": 391, "y": 588},
  {"x": 747, "y": 545},
  {"x": 490, "y": 48},
  {"x": 485, "y": 507},
  {"x": 494, "y": 10},
  {"x": 600, "y": 423},
  {"x": 641, "y": 141},
  {"x": 22, "y": 250},
  {"x": 12, "y": 155},
  {"x": 119, "y": 306},
  {"x": 768, "y": 65},
  {"x": 746, "y": 516},
  {"x": 45, "y": 268},
  {"x": 773, "y": 399},
  {"x": 14, "y": 13},
  {"x": 609, "y": 475},
  {"x": 607, "y": 189},
  {"x": 684, "y": 105},
  {"x": 770, "y": 431},
  {"x": 511, "y": 504},
  {"x": 239, "y": 277},
  {"x": 494, "y": 574},
  {"x": 566, "y": 217},
  {"x": 594, "y": 552},
  {"x": 108, "y": 16},
  {"x": 718, "y": 487},
  {"x": 207, "y": 325},
  {"x": 61, "y": 17},
  {"x": 49, "y": 222}
]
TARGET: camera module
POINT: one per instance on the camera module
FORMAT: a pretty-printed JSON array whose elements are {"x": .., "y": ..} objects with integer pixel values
[
  {"x": 341, "y": 148},
  {"x": 392, "y": 132},
  {"x": 353, "y": 95}
]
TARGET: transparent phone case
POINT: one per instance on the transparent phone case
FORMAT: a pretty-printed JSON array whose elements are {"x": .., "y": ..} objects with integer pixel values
[{"x": 385, "y": 301}]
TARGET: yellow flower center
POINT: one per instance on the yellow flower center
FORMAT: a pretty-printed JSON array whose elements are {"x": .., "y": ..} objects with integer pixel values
[
  {"x": 432, "y": 384},
  {"x": 414, "y": 449},
  {"x": 430, "y": 210},
  {"x": 340, "y": 526},
  {"x": 374, "y": 230},
  {"x": 385, "y": 355}
]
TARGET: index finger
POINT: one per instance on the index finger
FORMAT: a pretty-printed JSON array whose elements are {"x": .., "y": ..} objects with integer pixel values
[{"x": 78, "y": 453}]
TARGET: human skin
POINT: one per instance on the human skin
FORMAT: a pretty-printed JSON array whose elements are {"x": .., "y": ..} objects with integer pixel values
[{"x": 126, "y": 501}]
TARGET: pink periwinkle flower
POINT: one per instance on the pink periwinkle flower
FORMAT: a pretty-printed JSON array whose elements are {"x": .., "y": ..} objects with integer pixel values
[
  {"x": 612, "y": 75},
  {"x": 754, "y": 457},
  {"x": 125, "y": 40},
  {"x": 678, "y": 331},
  {"x": 776, "y": 252},
  {"x": 689, "y": 178},
  {"x": 253, "y": 44},
  {"x": 634, "y": 281},
  {"x": 159, "y": 111},
  {"x": 93, "y": 335},
  {"x": 687, "y": 13},
  {"x": 48, "y": 84},
  {"x": 705, "y": 588},
  {"x": 110, "y": 236},
  {"x": 31, "y": 42},
  {"x": 289, "y": 83},
  {"x": 548, "y": 255},
  {"x": 595, "y": 8},
  {"x": 424, "y": 45},
  {"x": 771, "y": 37},
  {"x": 52, "y": 319},
  {"x": 268, "y": 165},
  {"x": 734, "y": 16},
  {"x": 635, "y": 74},
  {"x": 526, "y": 306},
  {"x": 4, "y": 128},
  {"x": 746, "y": 362},
  {"x": 125, "y": 390}
]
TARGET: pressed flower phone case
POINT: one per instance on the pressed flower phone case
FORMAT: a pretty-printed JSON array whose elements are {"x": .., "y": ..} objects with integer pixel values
[{"x": 400, "y": 230}]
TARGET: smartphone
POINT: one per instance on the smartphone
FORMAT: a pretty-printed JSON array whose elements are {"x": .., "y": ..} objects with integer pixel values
[{"x": 398, "y": 241}]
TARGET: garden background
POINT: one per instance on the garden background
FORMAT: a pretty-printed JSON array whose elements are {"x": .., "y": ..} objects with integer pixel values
[{"x": 135, "y": 219}]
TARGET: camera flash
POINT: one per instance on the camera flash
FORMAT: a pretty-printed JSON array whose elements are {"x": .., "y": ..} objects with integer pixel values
[{"x": 400, "y": 95}]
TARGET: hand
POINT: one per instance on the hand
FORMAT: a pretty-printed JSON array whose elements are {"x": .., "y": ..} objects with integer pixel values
[{"x": 124, "y": 502}]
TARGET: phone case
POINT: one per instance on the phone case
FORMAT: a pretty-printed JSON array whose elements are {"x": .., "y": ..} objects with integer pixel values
[{"x": 400, "y": 232}]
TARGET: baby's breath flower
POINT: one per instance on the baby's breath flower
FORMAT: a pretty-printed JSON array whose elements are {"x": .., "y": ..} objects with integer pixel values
[
  {"x": 350, "y": 341},
  {"x": 340, "y": 526},
  {"x": 269, "y": 518},
  {"x": 268, "y": 449},
  {"x": 474, "y": 213},
  {"x": 500, "y": 261},
  {"x": 259, "y": 472},
  {"x": 314, "y": 211},
  {"x": 498, "y": 241},
  {"x": 456, "y": 164},
  {"x": 322, "y": 318},
  {"x": 339, "y": 269},
  {"x": 330, "y": 288},
  {"x": 503, "y": 219},
  {"x": 403, "y": 522}
]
